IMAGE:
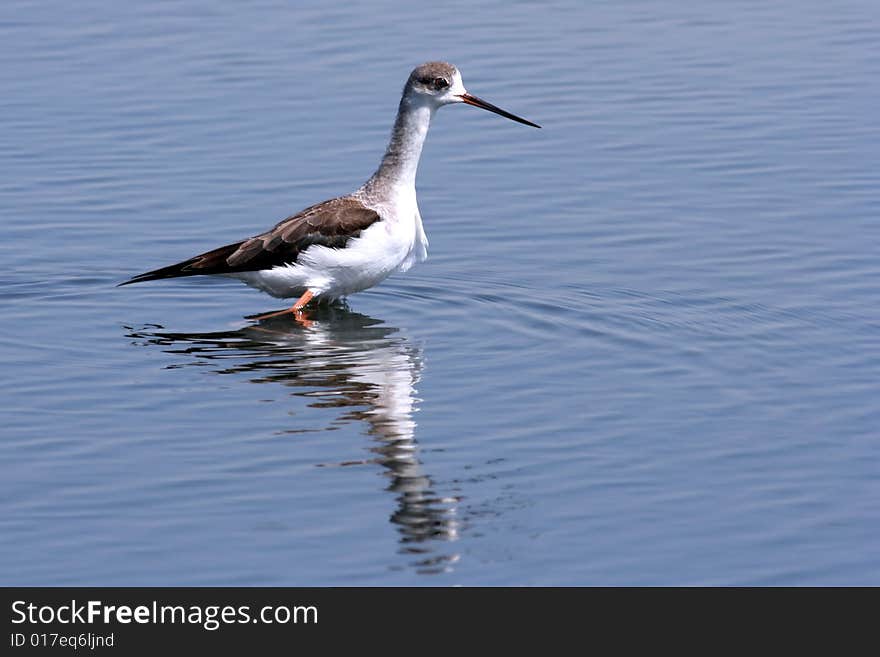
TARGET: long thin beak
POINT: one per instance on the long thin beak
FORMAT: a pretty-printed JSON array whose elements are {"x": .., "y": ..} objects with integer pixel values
[{"x": 479, "y": 102}]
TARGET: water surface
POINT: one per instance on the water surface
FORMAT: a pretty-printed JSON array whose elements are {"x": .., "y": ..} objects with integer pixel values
[{"x": 645, "y": 348}]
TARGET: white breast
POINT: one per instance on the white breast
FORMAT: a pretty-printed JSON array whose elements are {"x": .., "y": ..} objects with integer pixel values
[{"x": 393, "y": 244}]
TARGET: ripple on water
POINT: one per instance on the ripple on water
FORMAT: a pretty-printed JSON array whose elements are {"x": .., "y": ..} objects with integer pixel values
[{"x": 645, "y": 348}]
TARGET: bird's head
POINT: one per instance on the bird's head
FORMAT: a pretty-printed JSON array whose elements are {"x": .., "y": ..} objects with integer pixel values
[{"x": 438, "y": 83}]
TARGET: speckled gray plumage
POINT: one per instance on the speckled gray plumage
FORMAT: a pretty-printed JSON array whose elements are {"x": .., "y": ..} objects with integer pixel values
[
  {"x": 408, "y": 134},
  {"x": 432, "y": 70}
]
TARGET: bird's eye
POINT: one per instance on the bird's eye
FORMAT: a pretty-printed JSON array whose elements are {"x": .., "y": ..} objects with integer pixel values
[{"x": 434, "y": 83}]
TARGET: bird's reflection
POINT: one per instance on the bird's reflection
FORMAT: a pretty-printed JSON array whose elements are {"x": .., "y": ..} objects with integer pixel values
[{"x": 364, "y": 370}]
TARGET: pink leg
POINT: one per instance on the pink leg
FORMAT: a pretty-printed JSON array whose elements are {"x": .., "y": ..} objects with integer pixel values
[{"x": 296, "y": 309}]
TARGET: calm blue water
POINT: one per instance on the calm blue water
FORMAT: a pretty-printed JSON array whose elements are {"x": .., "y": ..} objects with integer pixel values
[{"x": 645, "y": 350}]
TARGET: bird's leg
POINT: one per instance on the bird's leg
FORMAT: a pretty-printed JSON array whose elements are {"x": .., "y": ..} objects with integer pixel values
[
  {"x": 303, "y": 300},
  {"x": 298, "y": 313},
  {"x": 296, "y": 309}
]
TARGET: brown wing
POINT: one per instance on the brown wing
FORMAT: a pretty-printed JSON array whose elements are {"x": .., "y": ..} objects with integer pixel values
[{"x": 331, "y": 224}]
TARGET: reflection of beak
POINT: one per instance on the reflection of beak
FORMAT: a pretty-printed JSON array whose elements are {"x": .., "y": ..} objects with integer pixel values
[{"x": 479, "y": 102}]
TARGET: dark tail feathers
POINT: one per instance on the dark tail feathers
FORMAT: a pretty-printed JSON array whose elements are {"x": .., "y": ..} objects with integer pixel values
[{"x": 212, "y": 262}]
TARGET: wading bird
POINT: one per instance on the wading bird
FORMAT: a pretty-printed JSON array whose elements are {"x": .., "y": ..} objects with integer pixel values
[{"x": 350, "y": 243}]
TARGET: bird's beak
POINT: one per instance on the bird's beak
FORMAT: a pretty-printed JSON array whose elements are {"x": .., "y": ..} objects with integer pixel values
[{"x": 479, "y": 102}]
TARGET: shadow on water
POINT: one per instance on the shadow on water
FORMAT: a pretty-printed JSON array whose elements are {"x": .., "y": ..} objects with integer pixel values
[{"x": 358, "y": 369}]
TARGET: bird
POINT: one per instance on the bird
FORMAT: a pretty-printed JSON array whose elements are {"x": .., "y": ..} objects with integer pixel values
[{"x": 350, "y": 243}]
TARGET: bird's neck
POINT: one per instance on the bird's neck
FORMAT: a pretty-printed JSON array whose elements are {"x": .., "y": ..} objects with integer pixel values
[{"x": 401, "y": 159}]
